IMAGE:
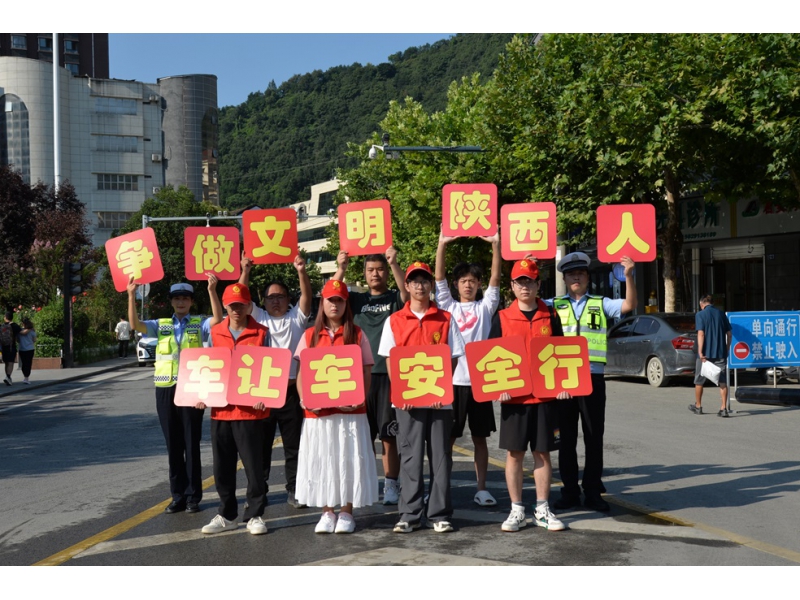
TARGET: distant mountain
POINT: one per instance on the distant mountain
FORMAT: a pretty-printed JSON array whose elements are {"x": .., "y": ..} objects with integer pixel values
[{"x": 279, "y": 142}]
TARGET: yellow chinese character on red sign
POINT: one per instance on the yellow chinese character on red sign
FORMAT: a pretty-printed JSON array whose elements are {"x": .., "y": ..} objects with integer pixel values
[
  {"x": 561, "y": 357},
  {"x": 205, "y": 377},
  {"x": 133, "y": 257},
  {"x": 421, "y": 374},
  {"x": 213, "y": 253},
  {"x": 270, "y": 233},
  {"x": 501, "y": 372},
  {"x": 529, "y": 231},
  {"x": 366, "y": 226},
  {"x": 468, "y": 209},
  {"x": 332, "y": 375},
  {"x": 268, "y": 372},
  {"x": 628, "y": 234}
]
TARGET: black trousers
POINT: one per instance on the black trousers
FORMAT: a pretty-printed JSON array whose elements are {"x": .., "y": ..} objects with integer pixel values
[
  {"x": 230, "y": 440},
  {"x": 290, "y": 420},
  {"x": 26, "y": 357},
  {"x": 123, "y": 348},
  {"x": 591, "y": 410},
  {"x": 182, "y": 427}
]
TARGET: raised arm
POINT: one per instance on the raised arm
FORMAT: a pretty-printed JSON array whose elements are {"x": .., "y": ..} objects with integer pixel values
[
  {"x": 399, "y": 276},
  {"x": 216, "y": 306},
  {"x": 497, "y": 259},
  {"x": 631, "y": 299},
  {"x": 342, "y": 260},
  {"x": 440, "y": 268},
  {"x": 133, "y": 316},
  {"x": 247, "y": 264},
  {"x": 305, "y": 285}
]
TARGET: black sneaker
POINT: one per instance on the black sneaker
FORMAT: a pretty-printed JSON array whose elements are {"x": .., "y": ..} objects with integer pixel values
[
  {"x": 567, "y": 502},
  {"x": 698, "y": 410},
  {"x": 722, "y": 413},
  {"x": 292, "y": 501},
  {"x": 596, "y": 502}
]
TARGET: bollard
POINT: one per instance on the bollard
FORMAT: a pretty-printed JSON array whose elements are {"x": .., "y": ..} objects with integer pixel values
[{"x": 768, "y": 396}]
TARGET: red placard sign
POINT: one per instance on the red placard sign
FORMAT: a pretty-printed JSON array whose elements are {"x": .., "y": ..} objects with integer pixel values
[
  {"x": 259, "y": 374},
  {"x": 212, "y": 250},
  {"x": 332, "y": 376},
  {"x": 421, "y": 375},
  {"x": 626, "y": 230},
  {"x": 469, "y": 209},
  {"x": 560, "y": 364},
  {"x": 365, "y": 227},
  {"x": 136, "y": 254},
  {"x": 528, "y": 228},
  {"x": 270, "y": 235},
  {"x": 203, "y": 377},
  {"x": 497, "y": 366}
]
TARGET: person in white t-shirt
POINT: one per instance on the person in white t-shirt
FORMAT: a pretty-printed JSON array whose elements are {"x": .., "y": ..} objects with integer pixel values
[
  {"x": 286, "y": 326},
  {"x": 474, "y": 320},
  {"x": 123, "y": 331}
]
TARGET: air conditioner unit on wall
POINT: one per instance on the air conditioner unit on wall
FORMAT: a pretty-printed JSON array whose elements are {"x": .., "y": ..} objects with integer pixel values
[
  {"x": 156, "y": 189},
  {"x": 155, "y": 157},
  {"x": 153, "y": 98}
]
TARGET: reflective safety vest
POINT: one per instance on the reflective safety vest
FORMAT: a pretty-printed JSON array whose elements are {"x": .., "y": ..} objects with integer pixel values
[
  {"x": 168, "y": 353},
  {"x": 592, "y": 325}
]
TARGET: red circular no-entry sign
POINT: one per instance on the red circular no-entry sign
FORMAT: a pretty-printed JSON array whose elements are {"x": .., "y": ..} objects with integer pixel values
[{"x": 741, "y": 350}]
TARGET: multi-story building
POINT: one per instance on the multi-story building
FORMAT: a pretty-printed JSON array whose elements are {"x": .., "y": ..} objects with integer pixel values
[
  {"x": 121, "y": 141},
  {"x": 79, "y": 53},
  {"x": 313, "y": 218}
]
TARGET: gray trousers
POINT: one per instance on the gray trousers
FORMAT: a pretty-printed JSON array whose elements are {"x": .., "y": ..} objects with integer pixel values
[{"x": 416, "y": 428}]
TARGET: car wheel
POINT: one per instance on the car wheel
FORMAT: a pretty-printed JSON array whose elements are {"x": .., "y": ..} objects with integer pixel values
[{"x": 655, "y": 372}]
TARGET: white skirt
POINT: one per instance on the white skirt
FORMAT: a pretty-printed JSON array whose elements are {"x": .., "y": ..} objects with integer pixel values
[{"x": 336, "y": 463}]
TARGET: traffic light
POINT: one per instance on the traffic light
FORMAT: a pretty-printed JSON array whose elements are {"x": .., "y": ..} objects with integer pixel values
[{"x": 74, "y": 278}]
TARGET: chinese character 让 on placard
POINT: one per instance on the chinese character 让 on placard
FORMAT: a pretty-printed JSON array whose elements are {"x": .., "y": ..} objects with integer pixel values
[
  {"x": 270, "y": 235},
  {"x": 259, "y": 374},
  {"x": 421, "y": 375},
  {"x": 469, "y": 209},
  {"x": 134, "y": 255},
  {"x": 365, "y": 227},
  {"x": 212, "y": 250}
]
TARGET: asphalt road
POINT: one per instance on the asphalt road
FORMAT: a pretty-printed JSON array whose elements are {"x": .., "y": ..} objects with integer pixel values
[{"x": 83, "y": 480}]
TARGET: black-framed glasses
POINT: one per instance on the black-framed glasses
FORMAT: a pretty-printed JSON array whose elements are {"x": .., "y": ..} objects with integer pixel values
[
  {"x": 276, "y": 297},
  {"x": 419, "y": 283}
]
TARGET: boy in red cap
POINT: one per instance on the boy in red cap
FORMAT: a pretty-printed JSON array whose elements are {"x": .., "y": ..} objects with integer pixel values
[
  {"x": 420, "y": 323},
  {"x": 238, "y": 430},
  {"x": 528, "y": 421}
]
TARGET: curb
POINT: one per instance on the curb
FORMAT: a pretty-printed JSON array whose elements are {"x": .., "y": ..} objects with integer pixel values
[{"x": 53, "y": 382}]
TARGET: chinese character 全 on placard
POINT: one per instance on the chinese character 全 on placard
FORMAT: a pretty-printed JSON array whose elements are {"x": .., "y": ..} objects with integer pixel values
[{"x": 497, "y": 366}]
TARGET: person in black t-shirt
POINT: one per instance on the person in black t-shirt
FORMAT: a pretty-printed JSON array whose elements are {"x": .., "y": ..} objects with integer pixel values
[{"x": 9, "y": 333}]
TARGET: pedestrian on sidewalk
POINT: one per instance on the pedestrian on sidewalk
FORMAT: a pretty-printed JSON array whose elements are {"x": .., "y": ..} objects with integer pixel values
[
  {"x": 27, "y": 348},
  {"x": 123, "y": 331},
  {"x": 9, "y": 333},
  {"x": 182, "y": 425},
  {"x": 713, "y": 344}
]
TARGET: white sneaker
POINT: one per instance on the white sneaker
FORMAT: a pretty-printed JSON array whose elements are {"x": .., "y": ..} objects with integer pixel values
[
  {"x": 345, "y": 523},
  {"x": 442, "y": 526},
  {"x": 515, "y": 521},
  {"x": 405, "y": 527},
  {"x": 327, "y": 523},
  {"x": 544, "y": 518},
  {"x": 219, "y": 523},
  {"x": 256, "y": 526},
  {"x": 391, "y": 491},
  {"x": 26, "y": 381}
]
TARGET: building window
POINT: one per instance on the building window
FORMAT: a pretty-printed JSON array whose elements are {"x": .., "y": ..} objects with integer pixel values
[
  {"x": 326, "y": 202},
  {"x": 112, "y": 220},
  {"x": 117, "y": 143},
  {"x": 73, "y": 68},
  {"x": 114, "y": 181},
  {"x": 319, "y": 257},
  {"x": 308, "y": 235},
  {"x": 118, "y": 106},
  {"x": 19, "y": 42},
  {"x": 14, "y": 135},
  {"x": 70, "y": 47},
  {"x": 45, "y": 44}
]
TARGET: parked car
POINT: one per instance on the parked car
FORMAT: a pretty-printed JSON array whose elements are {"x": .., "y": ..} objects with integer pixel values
[
  {"x": 657, "y": 346},
  {"x": 146, "y": 349},
  {"x": 777, "y": 373}
]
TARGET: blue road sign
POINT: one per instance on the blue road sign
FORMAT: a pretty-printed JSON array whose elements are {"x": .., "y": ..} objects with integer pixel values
[{"x": 764, "y": 339}]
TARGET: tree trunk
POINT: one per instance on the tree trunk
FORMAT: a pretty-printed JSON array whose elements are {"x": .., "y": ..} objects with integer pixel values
[{"x": 672, "y": 241}]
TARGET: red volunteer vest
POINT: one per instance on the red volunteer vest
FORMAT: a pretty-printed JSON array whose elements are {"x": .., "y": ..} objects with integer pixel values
[
  {"x": 513, "y": 322},
  {"x": 254, "y": 334},
  {"x": 409, "y": 330}
]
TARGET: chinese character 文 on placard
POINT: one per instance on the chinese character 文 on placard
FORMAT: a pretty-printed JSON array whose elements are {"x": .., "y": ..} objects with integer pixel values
[
  {"x": 626, "y": 230},
  {"x": 365, "y": 227},
  {"x": 203, "y": 377},
  {"x": 332, "y": 376},
  {"x": 259, "y": 374},
  {"x": 421, "y": 375},
  {"x": 560, "y": 364},
  {"x": 134, "y": 254},
  {"x": 212, "y": 250},
  {"x": 497, "y": 366},
  {"x": 270, "y": 235},
  {"x": 469, "y": 209},
  {"x": 528, "y": 228}
]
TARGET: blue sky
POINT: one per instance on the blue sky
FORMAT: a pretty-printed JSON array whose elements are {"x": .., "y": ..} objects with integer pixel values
[{"x": 246, "y": 62}]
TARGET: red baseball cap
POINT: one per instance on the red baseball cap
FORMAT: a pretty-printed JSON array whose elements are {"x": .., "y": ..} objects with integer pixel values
[
  {"x": 418, "y": 266},
  {"x": 525, "y": 268},
  {"x": 334, "y": 287},
  {"x": 236, "y": 293}
]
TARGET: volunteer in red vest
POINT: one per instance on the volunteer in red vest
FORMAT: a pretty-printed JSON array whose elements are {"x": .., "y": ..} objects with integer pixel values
[
  {"x": 238, "y": 431},
  {"x": 527, "y": 421},
  {"x": 420, "y": 323}
]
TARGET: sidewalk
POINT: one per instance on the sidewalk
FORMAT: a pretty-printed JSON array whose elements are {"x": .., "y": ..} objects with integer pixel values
[{"x": 46, "y": 377}]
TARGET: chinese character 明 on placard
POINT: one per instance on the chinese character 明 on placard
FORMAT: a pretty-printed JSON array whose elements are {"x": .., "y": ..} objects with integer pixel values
[
  {"x": 365, "y": 227},
  {"x": 421, "y": 375},
  {"x": 469, "y": 209},
  {"x": 332, "y": 377},
  {"x": 626, "y": 230},
  {"x": 528, "y": 228},
  {"x": 212, "y": 250},
  {"x": 270, "y": 235},
  {"x": 497, "y": 366},
  {"x": 134, "y": 255}
]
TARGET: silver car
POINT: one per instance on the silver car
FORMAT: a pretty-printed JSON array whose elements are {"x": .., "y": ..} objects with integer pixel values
[{"x": 657, "y": 346}]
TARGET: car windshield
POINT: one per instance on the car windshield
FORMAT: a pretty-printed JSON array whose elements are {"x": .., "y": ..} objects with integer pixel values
[{"x": 681, "y": 323}]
